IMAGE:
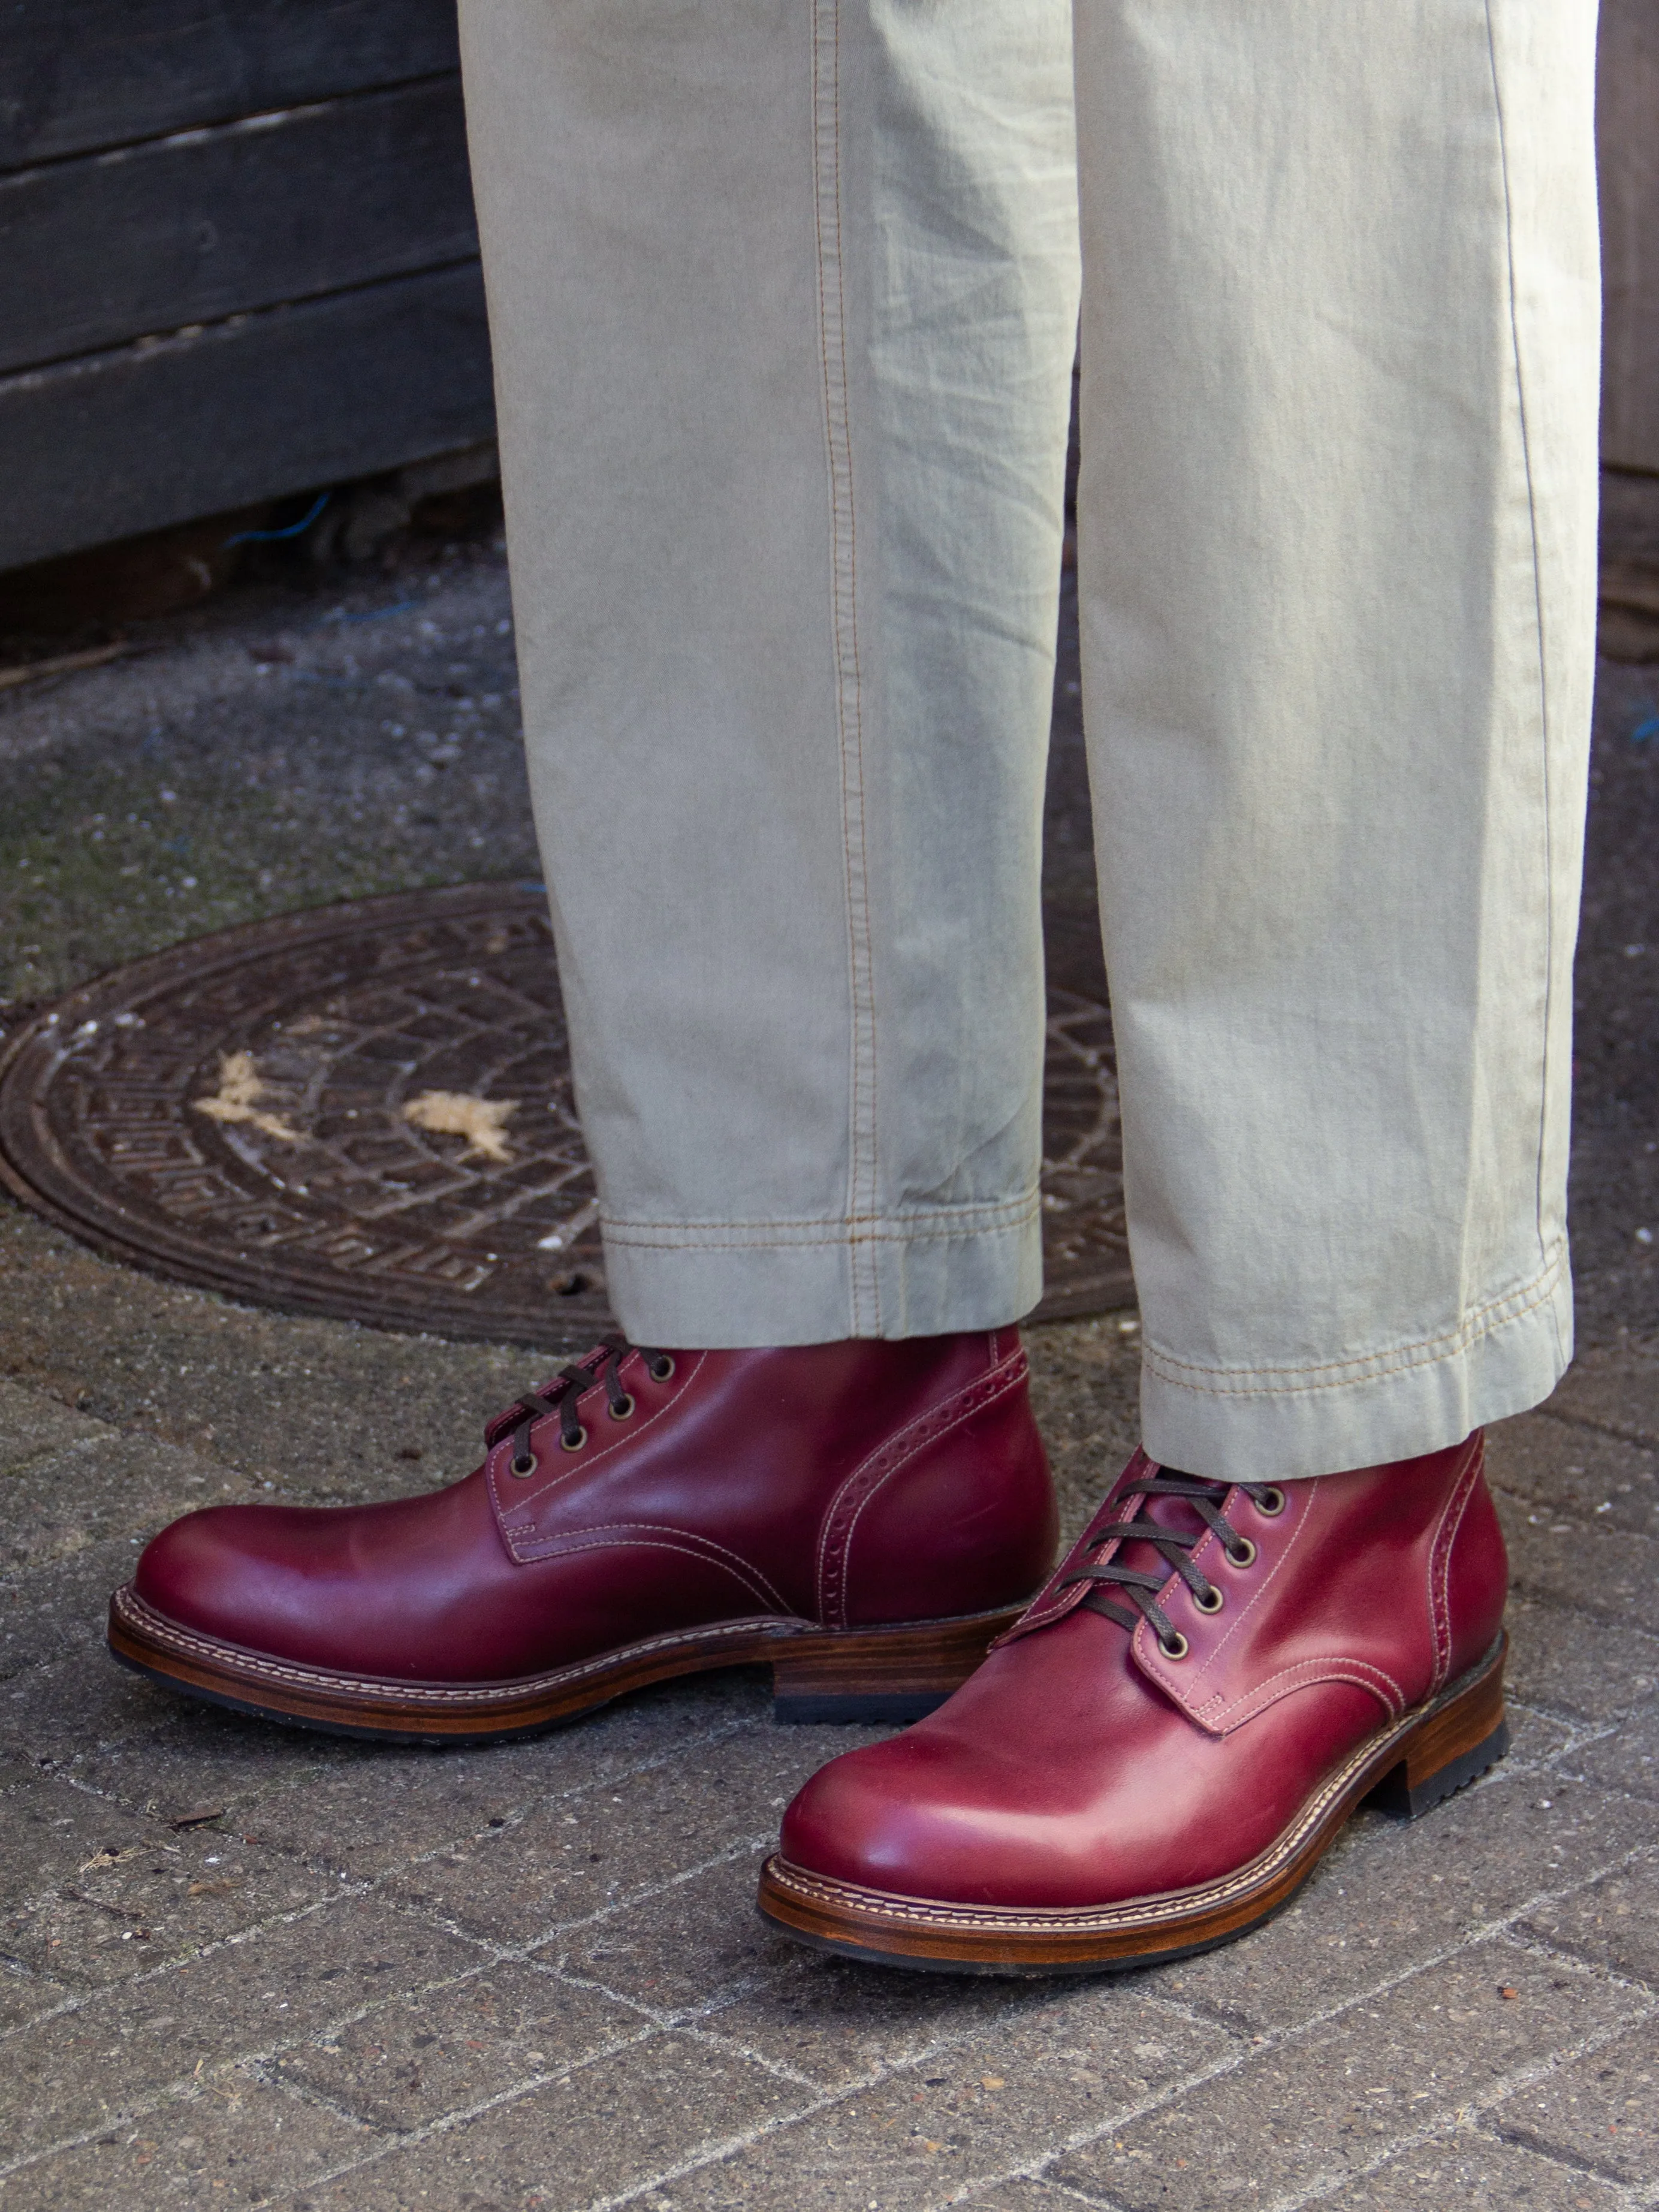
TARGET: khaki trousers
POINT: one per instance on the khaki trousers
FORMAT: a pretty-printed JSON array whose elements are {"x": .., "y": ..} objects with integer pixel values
[{"x": 784, "y": 295}]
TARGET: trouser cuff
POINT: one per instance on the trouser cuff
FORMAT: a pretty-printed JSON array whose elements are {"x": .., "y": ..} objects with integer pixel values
[
  {"x": 1270, "y": 1425},
  {"x": 725, "y": 1285}
]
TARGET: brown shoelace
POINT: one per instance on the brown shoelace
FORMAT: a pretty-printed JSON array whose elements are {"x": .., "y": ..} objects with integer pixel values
[
  {"x": 562, "y": 1395},
  {"x": 1174, "y": 1547}
]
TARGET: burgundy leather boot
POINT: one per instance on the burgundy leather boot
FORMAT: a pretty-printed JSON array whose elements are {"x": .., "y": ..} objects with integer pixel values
[
  {"x": 1160, "y": 1751},
  {"x": 863, "y": 1516}
]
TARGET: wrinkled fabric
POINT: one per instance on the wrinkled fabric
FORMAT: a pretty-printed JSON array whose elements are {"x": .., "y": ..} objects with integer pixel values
[{"x": 784, "y": 295}]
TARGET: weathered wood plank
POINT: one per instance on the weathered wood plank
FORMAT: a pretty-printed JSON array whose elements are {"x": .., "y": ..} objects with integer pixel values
[
  {"x": 1627, "y": 129},
  {"x": 75, "y": 75},
  {"x": 263, "y": 406},
  {"x": 194, "y": 227}
]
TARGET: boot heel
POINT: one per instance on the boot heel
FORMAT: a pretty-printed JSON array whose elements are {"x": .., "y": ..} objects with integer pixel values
[
  {"x": 880, "y": 1674},
  {"x": 1452, "y": 1746}
]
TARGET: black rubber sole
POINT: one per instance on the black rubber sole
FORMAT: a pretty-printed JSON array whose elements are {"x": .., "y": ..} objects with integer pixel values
[
  {"x": 896, "y": 1707},
  {"x": 1393, "y": 1794}
]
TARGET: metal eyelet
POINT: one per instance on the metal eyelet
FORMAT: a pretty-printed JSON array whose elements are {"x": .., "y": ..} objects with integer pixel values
[
  {"x": 524, "y": 1468},
  {"x": 1244, "y": 1556},
  {"x": 574, "y": 1443},
  {"x": 1272, "y": 1503},
  {"x": 1173, "y": 1647},
  {"x": 1212, "y": 1601},
  {"x": 662, "y": 1371},
  {"x": 622, "y": 1409}
]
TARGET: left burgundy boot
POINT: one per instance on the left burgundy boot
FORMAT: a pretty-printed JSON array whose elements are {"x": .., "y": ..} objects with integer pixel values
[
  {"x": 1155, "y": 1756},
  {"x": 862, "y": 1517}
]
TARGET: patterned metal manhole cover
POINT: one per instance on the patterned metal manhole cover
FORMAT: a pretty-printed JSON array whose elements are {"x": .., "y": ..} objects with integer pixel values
[{"x": 366, "y": 1111}]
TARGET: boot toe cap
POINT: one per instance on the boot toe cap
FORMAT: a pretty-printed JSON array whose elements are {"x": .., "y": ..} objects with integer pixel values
[
  {"x": 224, "y": 1573},
  {"x": 916, "y": 1818}
]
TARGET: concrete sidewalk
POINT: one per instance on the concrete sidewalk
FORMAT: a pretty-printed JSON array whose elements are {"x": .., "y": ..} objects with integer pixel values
[{"x": 245, "y": 1967}]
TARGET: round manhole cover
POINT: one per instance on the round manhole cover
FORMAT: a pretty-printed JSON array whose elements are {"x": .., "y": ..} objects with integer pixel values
[{"x": 366, "y": 1111}]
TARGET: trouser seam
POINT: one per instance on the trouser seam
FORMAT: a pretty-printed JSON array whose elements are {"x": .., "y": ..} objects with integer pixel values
[
  {"x": 875, "y": 1230},
  {"x": 862, "y": 1174},
  {"x": 990, "y": 1211},
  {"x": 1537, "y": 602},
  {"x": 1379, "y": 1367}
]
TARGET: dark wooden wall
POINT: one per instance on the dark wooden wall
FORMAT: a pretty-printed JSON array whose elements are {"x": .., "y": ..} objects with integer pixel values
[
  {"x": 237, "y": 257},
  {"x": 1628, "y": 128}
]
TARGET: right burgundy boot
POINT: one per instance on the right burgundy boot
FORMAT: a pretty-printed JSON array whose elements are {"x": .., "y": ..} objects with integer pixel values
[
  {"x": 1172, "y": 1738},
  {"x": 863, "y": 1516}
]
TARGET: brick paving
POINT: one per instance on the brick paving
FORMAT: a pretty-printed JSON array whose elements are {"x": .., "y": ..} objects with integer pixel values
[{"x": 242, "y": 1966}]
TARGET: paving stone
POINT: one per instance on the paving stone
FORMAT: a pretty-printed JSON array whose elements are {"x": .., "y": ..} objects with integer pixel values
[
  {"x": 96, "y": 1895},
  {"x": 565, "y": 1860},
  {"x": 364, "y": 1808},
  {"x": 597, "y": 2132},
  {"x": 25, "y": 1996},
  {"x": 32, "y": 1423},
  {"x": 386, "y": 1805},
  {"x": 1326, "y": 2102},
  {"x": 1612, "y": 1922},
  {"x": 222, "y": 2145},
  {"x": 1568, "y": 1664},
  {"x": 57, "y": 1609},
  {"x": 1392, "y": 1894},
  {"x": 686, "y": 1944},
  {"x": 444, "y": 2051},
  {"x": 383, "y": 1806},
  {"x": 1582, "y": 1565},
  {"x": 1478, "y": 2171},
  {"x": 1588, "y": 1476},
  {"x": 62, "y": 1709},
  {"x": 15, "y": 1772},
  {"x": 67, "y": 1537},
  {"x": 48, "y": 1830},
  {"x": 322, "y": 1410},
  {"x": 66, "y": 1542},
  {"x": 1613, "y": 1390},
  {"x": 108, "y": 1929},
  {"x": 1603, "y": 2109},
  {"x": 100, "y": 2065},
  {"x": 1626, "y": 1760},
  {"x": 1022, "y": 2196},
  {"x": 201, "y": 1755},
  {"x": 993, "y": 2099},
  {"x": 1536, "y": 1739},
  {"x": 115, "y": 1485},
  {"x": 832, "y": 2021}
]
